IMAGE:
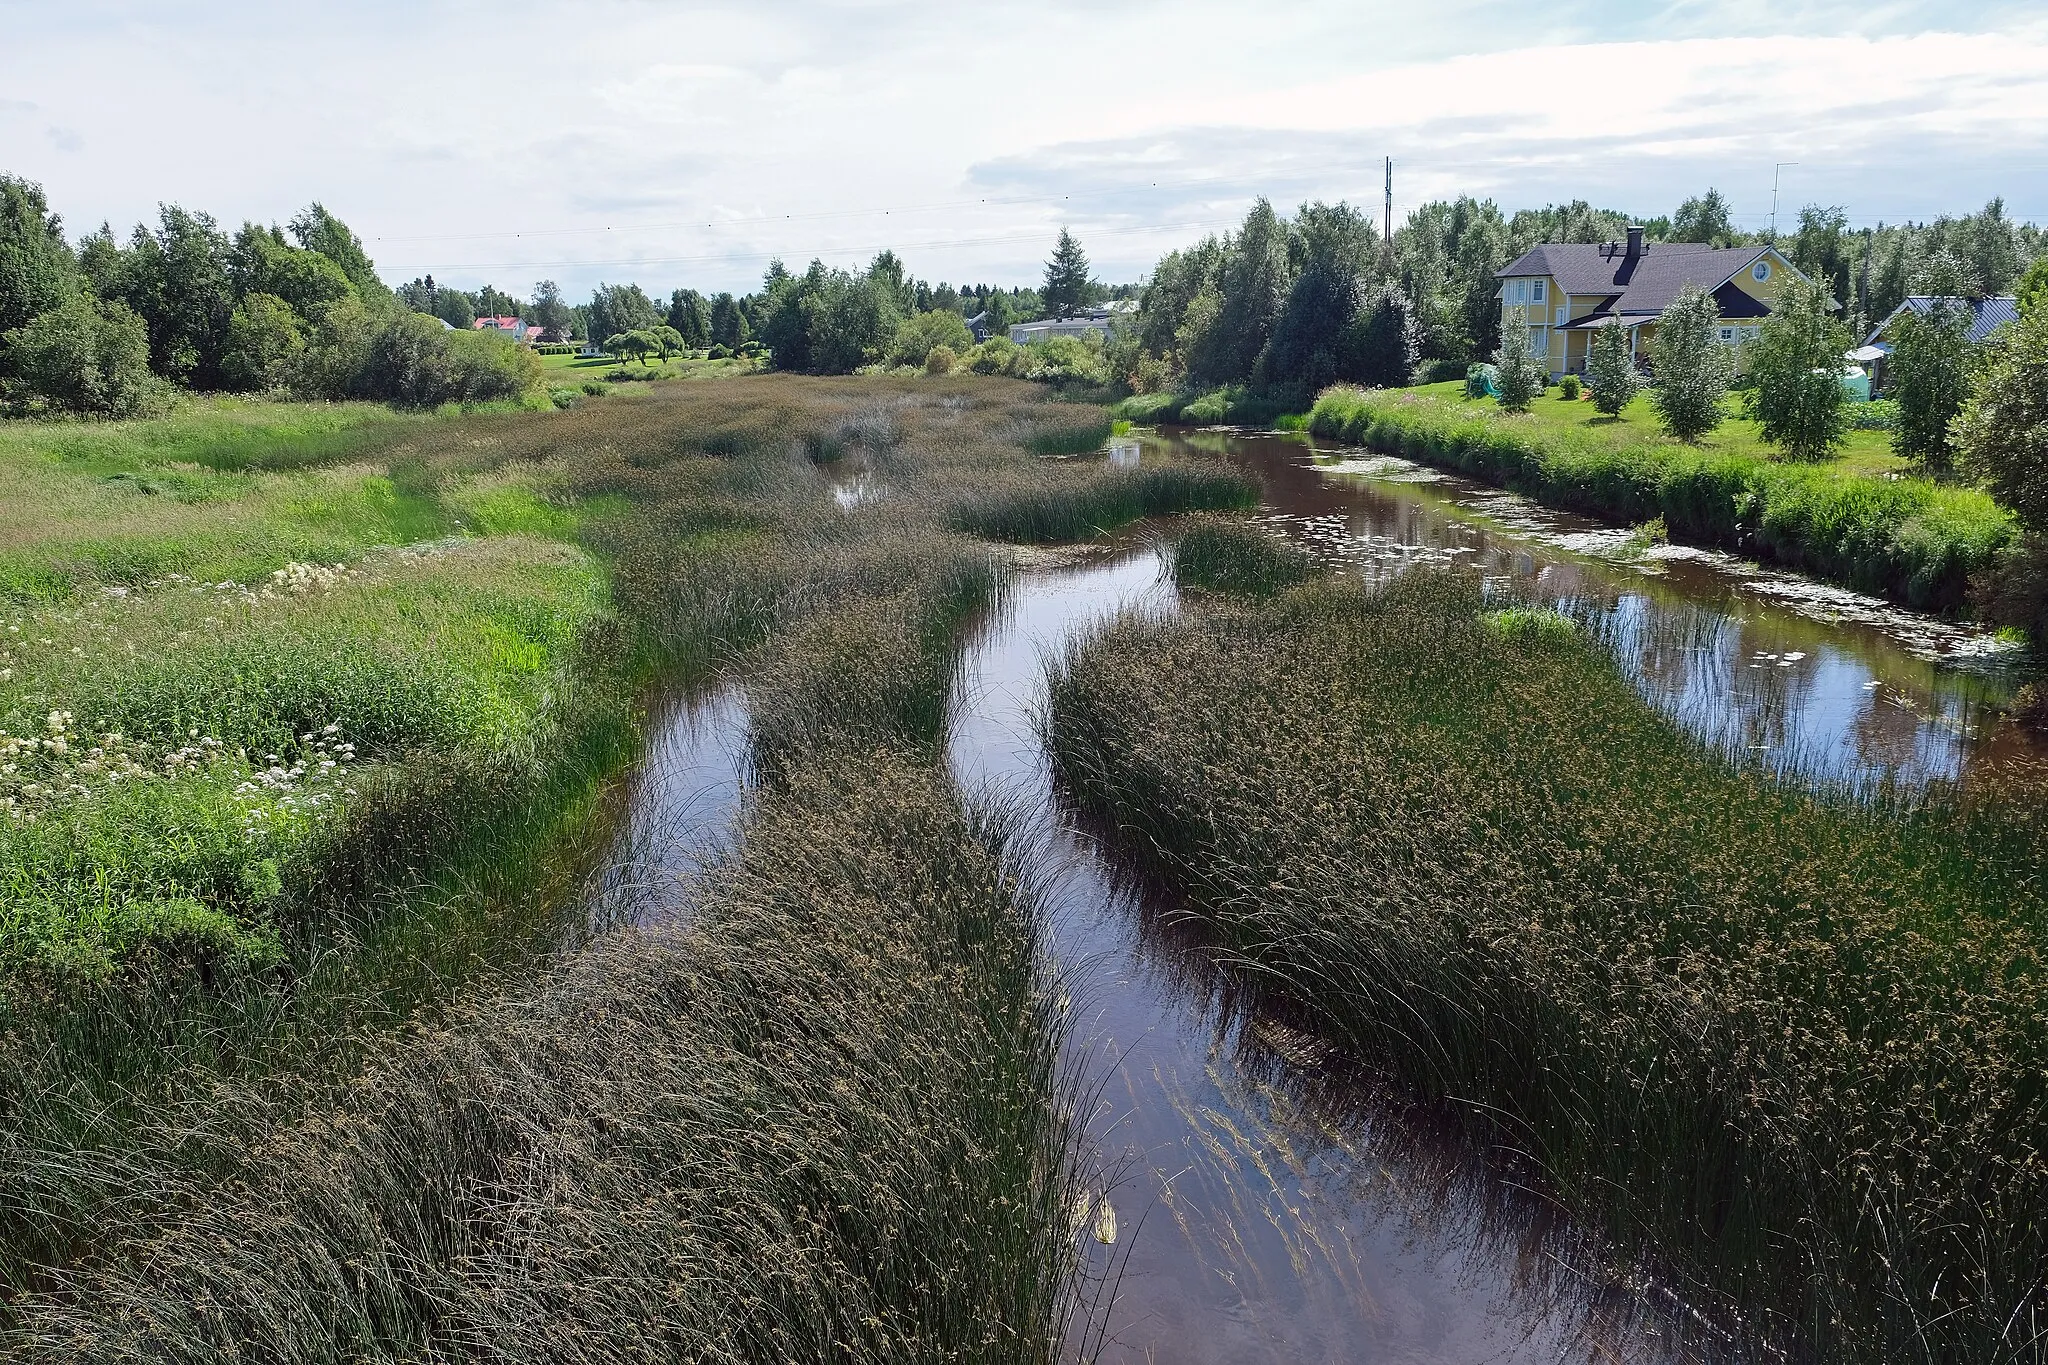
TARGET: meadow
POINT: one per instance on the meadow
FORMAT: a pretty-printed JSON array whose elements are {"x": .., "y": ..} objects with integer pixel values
[
  {"x": 1782, "y": 1047},
  {"x": 1858, "y": 520},
  {"x": 319, "y": 817}
]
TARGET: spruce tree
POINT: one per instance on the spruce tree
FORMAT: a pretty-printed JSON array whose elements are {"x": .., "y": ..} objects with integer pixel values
[
  {"x": 1520, "y": 378},
  {"x": 1067, "y": 285}
]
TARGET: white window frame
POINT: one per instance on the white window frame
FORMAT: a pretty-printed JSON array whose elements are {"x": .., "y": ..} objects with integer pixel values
[
  {"x": 1537, "y": 296},
  {"x": 1564, "y": 311},
  {"x": 1760, "y": 272},
  {"x": 1728, "y": 336}
]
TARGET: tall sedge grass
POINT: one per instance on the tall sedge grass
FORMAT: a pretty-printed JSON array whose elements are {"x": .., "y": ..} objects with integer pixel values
[
  {"x": 492, "y": 678},
  {"x": 1908, "y": 539},
  {"x": 815, "y": 1123},
  {"x": 1232, "y": 556},
  {"x": 1786, "y": 1044}
]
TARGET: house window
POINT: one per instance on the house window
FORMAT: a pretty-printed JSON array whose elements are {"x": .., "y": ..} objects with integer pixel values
[
  {"x": 1761, "y": 271},
  {"x": 1539, "y": 291},
  {"x": 1563, "y": 314},
  {"x": 1728, "y": 334}
]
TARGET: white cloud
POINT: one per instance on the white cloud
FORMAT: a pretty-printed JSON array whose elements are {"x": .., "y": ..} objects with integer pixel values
[{"x": 686, "y": 143}]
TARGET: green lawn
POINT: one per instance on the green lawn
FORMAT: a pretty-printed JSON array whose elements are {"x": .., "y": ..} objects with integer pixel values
[
  {"x": 1861, "y": 520},
  {"x": 1864, "y": 452}
]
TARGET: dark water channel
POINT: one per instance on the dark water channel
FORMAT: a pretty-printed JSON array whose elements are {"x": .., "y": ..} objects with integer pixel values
[{"x": 1268, "y": 1205}]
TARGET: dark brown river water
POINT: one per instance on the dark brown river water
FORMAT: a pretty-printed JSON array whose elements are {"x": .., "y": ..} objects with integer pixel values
[{"x": 1270, "y": 1203}]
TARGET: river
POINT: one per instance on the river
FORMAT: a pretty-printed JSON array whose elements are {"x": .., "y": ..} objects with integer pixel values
[{"x": 1271, "y": 1204}]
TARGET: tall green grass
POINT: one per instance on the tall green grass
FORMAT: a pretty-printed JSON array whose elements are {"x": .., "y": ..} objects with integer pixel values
[
  {"x": 1785, "y": 1045},
  {"x": 1908, "y": 539},
  {"x": 814, "y": 1123},
  {"x": 201, "y": 1085},
  {"x": 1073, "y": 511}
]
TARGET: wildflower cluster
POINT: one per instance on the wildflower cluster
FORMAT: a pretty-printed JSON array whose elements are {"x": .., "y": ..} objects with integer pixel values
[
  {"x": 61, "y": 765},
  {"x": 297, "y": 787}
]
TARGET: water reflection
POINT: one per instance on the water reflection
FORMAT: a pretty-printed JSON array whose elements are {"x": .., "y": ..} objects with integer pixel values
[
  {"x": 1801, "y": 677},
  {"x": 1271, "y": 1205}
]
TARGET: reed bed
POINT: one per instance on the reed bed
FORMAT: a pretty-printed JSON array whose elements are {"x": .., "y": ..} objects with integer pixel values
[
  {"x": 813, "y": 1123},
  {"x": 675, "y": 535},
  {"x": 1787, "y": 1045}
]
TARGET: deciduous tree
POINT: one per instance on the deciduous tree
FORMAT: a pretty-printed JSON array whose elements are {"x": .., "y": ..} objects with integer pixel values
[
  {"x": 1693, "y": 367},
  {"x": 1796, "y": 363},
  {"x": 1929, "y": 370},
  {"x": 2001, "y": 433},
  {"x": 1611, "y": 371}
]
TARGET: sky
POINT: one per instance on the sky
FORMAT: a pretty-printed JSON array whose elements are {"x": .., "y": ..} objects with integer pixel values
[{"x": 672, "y": 142}]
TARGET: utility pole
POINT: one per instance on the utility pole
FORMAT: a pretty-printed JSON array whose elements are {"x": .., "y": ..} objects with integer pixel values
[
  {"x": 1387, "y": 230},
  {"x": 1774, "y": 195}
]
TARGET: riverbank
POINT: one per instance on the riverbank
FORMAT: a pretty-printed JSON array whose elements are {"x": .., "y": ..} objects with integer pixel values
[
  {"x": 1907, "y": 539},
  {"x": 1456, "y": 842},
  {"x": 705, "y": 534}
]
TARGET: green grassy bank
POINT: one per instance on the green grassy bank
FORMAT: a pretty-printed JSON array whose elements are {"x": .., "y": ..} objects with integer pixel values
[
  {"x": 1856, "y": 521},
  {"x": 218, "y": 1004},
  {"x": 1786, "y": 1045}
]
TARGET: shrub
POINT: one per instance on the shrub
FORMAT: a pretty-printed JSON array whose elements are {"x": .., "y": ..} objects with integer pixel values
[
  {"x": 940, "y": 360},
  {"x": 595, "y": 388},
  {"x": 720, "y": 353},
  {"x": 997, "y": 355},
  {"x": 1693, "y": 367},
  {"x": 565, "y": 398},
  {"x": 2001, "y": 432},
  {"x": 917, "y": 337},
  {"x": 1568, "y": 388},
  {"x": 1879, "y": 414},
  {"x": 88, "y": 358},
  {"x": 1063, "y": 361}
]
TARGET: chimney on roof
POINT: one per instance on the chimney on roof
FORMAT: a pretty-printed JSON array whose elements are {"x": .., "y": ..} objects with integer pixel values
[{"x": 1632, "y": 257}]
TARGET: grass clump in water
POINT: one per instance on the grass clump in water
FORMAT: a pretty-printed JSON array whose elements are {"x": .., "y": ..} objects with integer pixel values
[
  {"x": 1235, "y": 556},
  {"x": 1785, "y": 1044}
]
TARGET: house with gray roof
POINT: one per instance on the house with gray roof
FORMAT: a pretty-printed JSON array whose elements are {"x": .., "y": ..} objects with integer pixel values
[
  {"x": 1570, "y": 291},
  {"x": 1987, "y": 315}
]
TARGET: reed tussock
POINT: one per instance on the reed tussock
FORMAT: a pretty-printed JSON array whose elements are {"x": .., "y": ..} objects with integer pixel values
[
  {"x": 813, "y": 1122},
  {"x": 1787, "y": 1044}
]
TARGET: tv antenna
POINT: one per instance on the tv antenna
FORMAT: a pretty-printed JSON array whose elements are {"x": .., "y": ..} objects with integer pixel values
[{"x": 1774, "y": 195}]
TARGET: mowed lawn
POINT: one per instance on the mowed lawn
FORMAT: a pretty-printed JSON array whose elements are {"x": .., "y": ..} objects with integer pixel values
[{"x": 1864, "y": 452}]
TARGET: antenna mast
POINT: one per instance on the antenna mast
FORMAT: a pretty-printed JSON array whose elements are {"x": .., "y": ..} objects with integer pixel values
[{"x": 1388, "y": 229}]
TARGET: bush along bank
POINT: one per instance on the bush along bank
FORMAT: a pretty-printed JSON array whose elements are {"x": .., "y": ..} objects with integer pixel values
[
  {"x": 1915, "y": 542},
  {"x": 1784, "y": 1044}
]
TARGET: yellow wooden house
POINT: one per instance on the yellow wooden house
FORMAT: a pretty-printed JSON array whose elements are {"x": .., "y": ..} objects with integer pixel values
[{"x": 1570, "y": 290}]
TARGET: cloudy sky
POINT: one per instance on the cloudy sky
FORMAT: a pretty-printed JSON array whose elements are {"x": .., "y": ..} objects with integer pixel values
[{"x": 672, "y": 142}]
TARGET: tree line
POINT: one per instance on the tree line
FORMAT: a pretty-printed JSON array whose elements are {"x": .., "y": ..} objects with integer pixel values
[{"x": 113, "y": 327}]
